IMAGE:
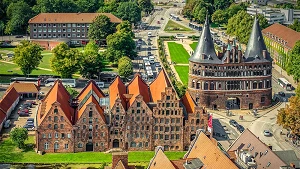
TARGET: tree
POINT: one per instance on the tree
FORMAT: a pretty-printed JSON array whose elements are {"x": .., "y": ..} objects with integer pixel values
[
  {"x": 222, "y": 4},
  {"x": 263, "y": 22},
  {"x": 125, "y": 67},
  {"x": 146, "y": 5},
  {"x": 125, "y": 27},
  {"x": 295, "y": 26},
  {"x": 89, "y": 5},
  {"x": 120, "y": 44},
  {"x": 129, "y": 11},
  {"x": 100, "y": 28},
  {"x": 28, "y": 56},
  {"x": 289, "y": 117},
  {"x": 65, "y": 61},
  {"x": 55, "y": 6},
  {"x": 72, "y": 92},
  {"x": 219, "y": 17},
  {"x": 18, "y": 13},
  {"x": 293, "y": 62},
  {"x": 92, "y": 61},
  {"x": 19, "y": 136}
]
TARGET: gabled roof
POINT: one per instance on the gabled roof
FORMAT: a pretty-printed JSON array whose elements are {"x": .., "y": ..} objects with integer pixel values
[
  {"x": 284, "y": 33},
  {"x": 71, "y": 18},
  {"x": 90, "y": 100},
  {"x": 120, "y": 165},
  {"x": 160, "y": 161},
  {"x": 91, "y": 86},
  {"x": 57, "y": 93},
  {"x": 138, "y": 87},
  {"x": 10, "y": 96},
  {"x": 247, "y": 140},
  {"x": 210, "y": 155},
  {"x": 205, "y": 47},
  {"x": 116, "y": 90},
  {"x": 188, "y": 102},
  {"x": 256, "y": 45},
  {"x": 25, "y": 87},
  {"x": 159, "y": 85}
]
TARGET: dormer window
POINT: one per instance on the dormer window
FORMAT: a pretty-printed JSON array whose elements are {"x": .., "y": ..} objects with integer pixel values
[
  {"x": 251, "y": 148},
  {"x": 248, "y": 145}
]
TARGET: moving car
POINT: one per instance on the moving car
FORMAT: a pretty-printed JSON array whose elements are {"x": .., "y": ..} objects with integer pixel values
[
  {"x": 7, "y": 124},
  {"x": 267, "y": 133},
  {"x": 233, "y": 123}
]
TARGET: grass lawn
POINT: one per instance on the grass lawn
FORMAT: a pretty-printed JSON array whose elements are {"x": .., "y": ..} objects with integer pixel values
[
  {"x": 45, "y": 63},
  {"x": 175, "y": 27},
  {"x": 183, "y": 72},
  {"x": 194, "y": 45},
  {"x": 9, "y": 49},
  {"x": 10, "y": 153},
  {"x": 178, "y": 53},
  {"x": 5, "y": 67}
]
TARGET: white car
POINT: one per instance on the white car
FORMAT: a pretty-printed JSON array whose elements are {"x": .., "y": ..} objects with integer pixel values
[{"x": 267, "y": 133}]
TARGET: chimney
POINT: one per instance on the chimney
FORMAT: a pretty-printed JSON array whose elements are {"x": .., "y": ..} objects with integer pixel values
[
  {"x": 120, "y": 156},
  {"x": 265, "y": 54},
  {"x": 270, "y": 147},
  {"x": 293, "y": 165}
]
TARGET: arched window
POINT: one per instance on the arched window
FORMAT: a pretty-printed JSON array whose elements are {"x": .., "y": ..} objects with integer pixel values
[
  {"x": 198, "y": 85},
  {"x": 254, "y": 85},
  {"x": 197, "y": 122},
  {"x": 206, "y": 86},
  {"x": 49, "y": 118},
  {"x": 55, "y": 119},
  {"x": 56, "y": 146},
  {"x": 212, "y": 86},
  {"x": 55, "y": 126},
  {"x": 260, "y": 85},
  {"x": 132, "y": 144},
  {"x": 193, "y": 83}
]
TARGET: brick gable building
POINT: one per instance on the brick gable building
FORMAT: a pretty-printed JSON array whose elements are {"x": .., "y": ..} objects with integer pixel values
[{"x": 136, "y": 116}]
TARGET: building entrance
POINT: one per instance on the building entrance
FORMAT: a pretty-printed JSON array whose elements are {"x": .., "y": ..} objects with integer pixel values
[
  {"x": 116, "y": 143},
  {"x": 89, "y": 146},
  {"x": 233, "y": 103}
]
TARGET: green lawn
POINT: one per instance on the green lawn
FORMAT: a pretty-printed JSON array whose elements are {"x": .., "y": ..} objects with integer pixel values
[
  {"x": 183, "y": 72},
  {"x": 178, "y": 53},
  {"x": 10, "y": 153},
  {"x": 175, "y": 27},
  {"x": 5, "y": 67},
  {"x": 194, "y": 45},
  {"x": 45, "y": 63}
]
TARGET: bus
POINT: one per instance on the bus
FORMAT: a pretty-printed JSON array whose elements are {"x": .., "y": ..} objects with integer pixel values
[
  {"x": 65, "y": 82},
  {"x": 285, "y": 84},
  {"x": 36, "y": 81}
]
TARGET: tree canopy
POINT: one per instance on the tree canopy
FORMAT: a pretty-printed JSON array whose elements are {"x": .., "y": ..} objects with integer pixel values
[
  {"x": 100, "y": 28},
  {"x": 295, "y": 26},
  {"x": 146, "y": 5},
  {"x": 74, "y": 93},
  {"x": 27, "y": 56},
  {"x": 293, "y": 62},
  {"x": 65, "y": 61},
  {"x": 125, "y": 67},
  {"x": 125, "y": 27},
  {"x": 19, "y": 136},
  {"x": 129, "y": 11}
]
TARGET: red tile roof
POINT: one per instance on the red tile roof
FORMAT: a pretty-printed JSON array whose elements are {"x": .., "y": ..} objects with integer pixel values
[
  {"x": 284, "y": 33},
  {"x": 138, "y": 87},
  {"x": 70, "y": 18},
  {"x": 57, "y": 93},
  {"x": 10, "y": 96},
  {"x": 211, "y": 156},
  {"x": 91, "y": 86},
  {"x": 160, "y": 161},
  {"x": 159, "y": 85},
  {"x": 117, "y": 89},
  {"x": 188, "y": 102},
  {"x": 247, "y": 138},
  {"x": 2, "y": 116}
]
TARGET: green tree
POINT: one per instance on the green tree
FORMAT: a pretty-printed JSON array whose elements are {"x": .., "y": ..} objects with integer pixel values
[
  {"x": 219, "y": 17},
  {"x": 125, "y": 27},
  {"x": 289, "y": 117},
  {"x": 293, "y": 62},
  {"x": 295, "y": 26},
  {"x": 55, "y": 6},
  {"x": 222, "y": 4},
  {"x": 125, "y": 67},
  {"x": 263, "y": 22},
  {"x": 120, "y": 44},
  {"x": 28, "y": 56},
  {"x": 92, "y": 62},
  {"x": 129, "y": 11},
  {"x": 18, "y": 13},
  {"x": 65, "y": 61},
  {"x": 89, "y": 5},
  {"x": 100, "y": 28},
  {"x": 146, "y": 5},
  {"x": 297, "y": 91},
  {"x": 74, "y": 93},
  {"x": 19, "y": 136}
]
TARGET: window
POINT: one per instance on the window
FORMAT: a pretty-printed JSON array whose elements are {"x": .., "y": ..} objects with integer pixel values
[
  {"x": 74, "y": 25},
  {"x": 69, "y": 25},
  {"x": 262, "y": 99},
  {"x": 49, "y": 135},
  {"x": 83, "y": 126},
  {"x": 46, "y": 146},
  {"x": 56, "y": 135},
  {"x": 138, "y": 111},
  {"x": 84, "y": 119},
  {"x": 44, "y": 135},
  {"x": 138, "y": 104},
  {"x": 49, "y": 126},
  {"x": 79, "y": 145},
  {"x": 90, "y": 127},
  {"x": 55, "y": 111},
  {"x": 66, "y": 146},
  {"x": 116, "y": 132},
  {"x": 132, "y": 144},
  {"x": 168, "y": 97},
  {"x": 55, "y": 119},
  {"x": 177, "y": 137},
  {"x": 62, "y": 135},
  {"x": 55, "y": 126},
  {"x": 34, "y": 30},
  {"x": 61, "y": 126},
  {"x": 61, "y": 118},
  {"x": 90, "y": 113},
  {"x": 177, "y": 120},
  {"x": 166, "y": 137},
  {"x": 34, "y": 25},
  {"x": 69, "y": 135}
]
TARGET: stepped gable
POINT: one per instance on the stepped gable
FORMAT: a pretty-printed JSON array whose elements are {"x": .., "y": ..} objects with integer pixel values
[
  {"x": 91, "y": 86},
  {"x": 188, "y": 102},
  {"x": 159, "y": 85},
  {"x": 117, "y": 89},
  {"x": 90, "y": 100},
  {"x": 256, "y": 46},
  {"x": 209, "y": 154},
  {"x": 205, "y": 50},
  {"x": 57, "y": 93},
  {"x": 160, "y": 161},
  {"x": 136, "y": 87}
]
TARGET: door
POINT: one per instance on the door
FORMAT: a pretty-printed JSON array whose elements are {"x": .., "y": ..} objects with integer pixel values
[
  {"x": 116, "y": 143},
  {"x": 89, "y": 146},
  {"x": 250, "y": 106}
]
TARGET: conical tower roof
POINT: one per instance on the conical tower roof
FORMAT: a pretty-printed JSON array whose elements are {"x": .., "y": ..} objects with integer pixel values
[
  {"x": 256, "y": 45},
  {"x": 205, "y": 46}
]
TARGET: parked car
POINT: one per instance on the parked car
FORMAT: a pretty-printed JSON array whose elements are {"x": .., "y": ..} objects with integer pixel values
[
  {"x": 23, "y": 110},
  {"x": 19, "y": 36},
  {"x": 32, "y": 102},
  {"x": 267, "y": 133},
  {"x": 29, "y": 127},
  {"x": 240, "y": 128},
  {"x": 7, "y": 124},
  {"x": 30, "y": 120},
  {"x": 23, "y": 114},
  {"x": 149, "y": 48},
  {"x": 161, "y": 18},
  {"x": 233, "y": 123},
  {"x": 28, "y": 104},
  {"x": 281, "y": 94},
  {"x": 158, "y": 22}
]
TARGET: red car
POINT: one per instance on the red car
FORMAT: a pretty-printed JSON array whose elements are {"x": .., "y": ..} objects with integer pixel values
[
  {"x": 22, "y": 114},
  {"x": 23, "y": 110}
]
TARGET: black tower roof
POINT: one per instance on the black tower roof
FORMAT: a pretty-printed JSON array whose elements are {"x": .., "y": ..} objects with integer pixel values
[
  {"x": 205, "y": 46},
  {"x": 256, "y": 45}
]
